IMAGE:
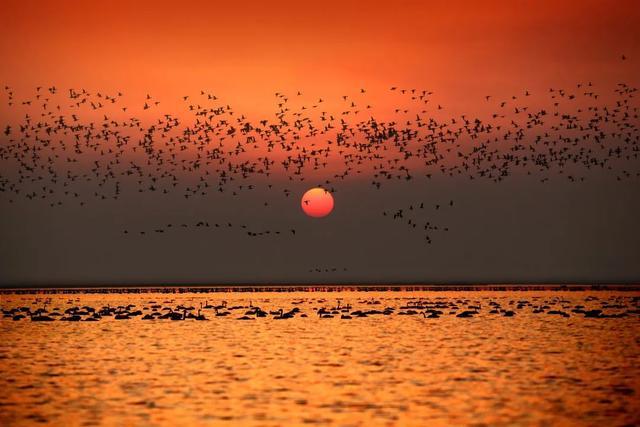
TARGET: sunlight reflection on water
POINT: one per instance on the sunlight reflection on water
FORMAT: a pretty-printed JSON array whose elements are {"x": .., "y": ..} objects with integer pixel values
[{"x": 529, "y": 369}]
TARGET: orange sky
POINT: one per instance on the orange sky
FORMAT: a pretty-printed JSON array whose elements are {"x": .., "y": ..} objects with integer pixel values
[{"x": 245, "y": 51}]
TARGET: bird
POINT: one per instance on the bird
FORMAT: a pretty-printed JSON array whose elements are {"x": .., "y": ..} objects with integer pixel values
[{"x": 60, "y": 158}]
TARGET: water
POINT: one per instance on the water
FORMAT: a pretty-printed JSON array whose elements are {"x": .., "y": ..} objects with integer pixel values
[{"x": 529, "y": 369}]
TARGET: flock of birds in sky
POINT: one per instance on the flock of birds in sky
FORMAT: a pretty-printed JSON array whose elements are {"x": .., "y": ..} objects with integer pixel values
[
  {"x": 40, "y": 309},
  {"x": 204, "y": 225},
  {"x": 414, "y": 218},
  {"x": 81, "y": 146}
]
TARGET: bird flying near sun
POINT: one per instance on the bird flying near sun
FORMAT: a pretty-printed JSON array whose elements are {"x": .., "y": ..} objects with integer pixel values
[{"x": 317, "y": 202}]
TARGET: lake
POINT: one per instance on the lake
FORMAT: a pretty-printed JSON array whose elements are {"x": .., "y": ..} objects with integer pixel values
[{"x": 346, "y": 358}]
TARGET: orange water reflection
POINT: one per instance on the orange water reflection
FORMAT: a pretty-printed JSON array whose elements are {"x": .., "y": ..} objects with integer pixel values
[{"x": 530, "y": 369}]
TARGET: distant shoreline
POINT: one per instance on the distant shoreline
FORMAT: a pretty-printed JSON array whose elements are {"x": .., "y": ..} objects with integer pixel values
[{"x": 241, "y": 288}]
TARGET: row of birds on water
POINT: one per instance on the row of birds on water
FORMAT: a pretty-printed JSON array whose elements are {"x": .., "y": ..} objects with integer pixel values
[
  {"x": 413, "y": 217},
  {"x": 78, "y": 145},
  {"x": 199, "y": 225},
  {"x": 592, "y": 307}
]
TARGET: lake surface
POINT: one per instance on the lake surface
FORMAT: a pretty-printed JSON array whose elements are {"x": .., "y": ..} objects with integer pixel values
[{"x": 392, "y": 367}]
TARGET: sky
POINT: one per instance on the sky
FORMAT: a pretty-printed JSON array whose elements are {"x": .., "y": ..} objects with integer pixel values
[{"x": 516, "y": 230}]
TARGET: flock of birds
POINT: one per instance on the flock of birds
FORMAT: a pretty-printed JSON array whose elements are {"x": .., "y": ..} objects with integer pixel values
[
  {"x": 414, "y": 217},
  {"x": 40, "y": 310},
  {"x": 326, "y": 269},
  {"x": 213, "y": 226},
  {"x": 77, "y": 145}
]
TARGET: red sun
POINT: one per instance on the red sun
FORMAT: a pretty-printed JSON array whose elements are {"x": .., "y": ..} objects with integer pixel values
[{"x": 317, "y": 202}]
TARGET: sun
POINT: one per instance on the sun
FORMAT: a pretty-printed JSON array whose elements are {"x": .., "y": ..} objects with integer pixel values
[{"x": 317, "y": 202}]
